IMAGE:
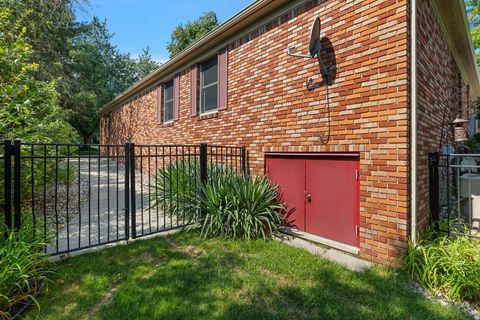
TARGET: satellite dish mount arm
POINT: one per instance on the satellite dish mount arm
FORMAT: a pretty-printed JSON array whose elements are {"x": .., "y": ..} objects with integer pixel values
[{"x": 297, "y": 55}]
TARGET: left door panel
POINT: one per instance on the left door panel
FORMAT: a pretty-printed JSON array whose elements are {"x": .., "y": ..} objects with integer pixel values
[{"x": 289, "y": 174}]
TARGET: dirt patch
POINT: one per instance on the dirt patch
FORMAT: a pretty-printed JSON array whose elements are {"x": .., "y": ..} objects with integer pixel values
[
  {"x": 193, "y": 251},
  {"x": 106, "y": 299},
  {"x": 190, "y": 250},
  {"x": 153, "y": 269},
  {"x": 279, "y": 279}
]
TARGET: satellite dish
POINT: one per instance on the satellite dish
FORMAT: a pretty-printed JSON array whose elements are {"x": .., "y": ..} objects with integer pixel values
[{"x": 315, "y": 45}]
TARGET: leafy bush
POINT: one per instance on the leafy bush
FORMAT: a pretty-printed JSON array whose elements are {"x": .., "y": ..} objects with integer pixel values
[
  {"x": 23, "y": 269},
  {"x": 175, "y": 188},
  {"x": 229, "y": 205},
  {"x": 445, "y": 264},
  {"x": 239, "y": 207}
]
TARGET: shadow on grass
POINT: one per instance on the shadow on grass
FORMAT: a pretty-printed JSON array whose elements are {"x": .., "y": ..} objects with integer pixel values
[{"x": 189, "y": 278}]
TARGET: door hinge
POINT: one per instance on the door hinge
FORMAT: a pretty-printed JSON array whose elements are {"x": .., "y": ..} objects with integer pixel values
[
  {"x": 356, "y": 174},
  {"x": 356, "y": 230}
]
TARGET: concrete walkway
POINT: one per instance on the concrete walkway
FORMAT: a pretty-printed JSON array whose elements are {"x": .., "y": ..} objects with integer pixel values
[
  {"x": 351, "y": 262},
  {"x": 101, "y": 218}
]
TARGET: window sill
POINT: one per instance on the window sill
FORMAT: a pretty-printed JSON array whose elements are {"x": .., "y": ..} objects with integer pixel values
[
  {"x": 208, "y": 115},
  {"x": 169, "y": 123}
]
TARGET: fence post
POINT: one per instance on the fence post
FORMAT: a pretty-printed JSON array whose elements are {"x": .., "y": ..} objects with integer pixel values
[
  {"x": 433, "y": 162},
  {"x": 203, "y": 163},
  {"x": 127, "y": 190},
  {"x": 244, "y": 160},
  {"x": 7, "y": 179},
  {"x": 16, "y": 184},
  {"x": 133, "y": 206}
]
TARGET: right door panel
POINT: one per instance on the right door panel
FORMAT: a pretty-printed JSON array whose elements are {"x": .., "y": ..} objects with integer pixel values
[{"x": 332, "y": 211}]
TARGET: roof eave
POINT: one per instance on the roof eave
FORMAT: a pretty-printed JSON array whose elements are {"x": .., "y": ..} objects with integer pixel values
[
  {"x": 224, "y": 31},
  {"x": 453, "y": 16}
]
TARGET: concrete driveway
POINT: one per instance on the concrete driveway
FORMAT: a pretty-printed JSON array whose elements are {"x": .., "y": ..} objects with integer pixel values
[{"x": 101, "y": 219}]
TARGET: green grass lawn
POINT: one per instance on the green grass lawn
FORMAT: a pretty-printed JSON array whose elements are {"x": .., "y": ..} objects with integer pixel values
[{"x": 185, "y": 277}]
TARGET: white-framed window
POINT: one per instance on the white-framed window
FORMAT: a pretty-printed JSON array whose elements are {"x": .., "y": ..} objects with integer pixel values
[
  {"x": 208, "y": 86},
  {"x": 168, "y": 98}
]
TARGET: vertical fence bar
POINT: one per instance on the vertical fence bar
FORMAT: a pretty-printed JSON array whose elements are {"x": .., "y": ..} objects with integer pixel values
[
  {"x": 141, "y": 188},
  {"x": 433, "y": 161},
  {"x": 164, "y": 190},
  {"x": 44, "y": 191},
  {"x": 203, "y": 163},
  {"x": 156, "y": 185},
  {"x": 32, "y": 182},
  {"x": 459, "y": 188},
  {"x": 127, "y": 189},
  {"x": 67, "y": 197},
  {"x": 56, "y": 198},
  {"x": 90, "y": 196},
  {"x": 17, "y": 184},
  {"x": 170, "y": 196},
  {"x": 79, "y": 200},
  {"x": 448, "y": 194},
  {"x": 117, "y": 158},
  {"x": 99, "y": 180},
  {"x": 149, "y": 192},
  {"x": 108, "y": 193},
  {"x": 244, "y": 160},
  {"x": 203, "y": 167},
  {"x": 132, "y": 190},
  {"x": 7, "y": 178}
]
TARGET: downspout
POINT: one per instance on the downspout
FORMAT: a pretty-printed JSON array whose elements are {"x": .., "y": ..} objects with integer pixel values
[{"x": 413, "y": 121}]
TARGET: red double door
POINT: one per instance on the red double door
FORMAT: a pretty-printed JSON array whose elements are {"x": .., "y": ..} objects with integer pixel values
[{"x": 321, "y": 192}]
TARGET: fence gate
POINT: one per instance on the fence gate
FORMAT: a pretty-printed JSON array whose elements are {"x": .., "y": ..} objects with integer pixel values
[
  {"x": 82, "y": 196},
  {"x": 454, "y": 191}
]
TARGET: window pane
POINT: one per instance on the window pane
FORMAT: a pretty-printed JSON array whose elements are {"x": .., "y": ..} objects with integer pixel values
[
  {"x": 168, "y": 111},
  {"x": 168, "y": 93},
  {"x": 209, "y": 98},
  {"x": 209, "y": 72}
]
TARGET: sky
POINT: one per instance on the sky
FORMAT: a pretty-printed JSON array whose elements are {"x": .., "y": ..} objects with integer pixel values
[{"x": 140, "y": 23}]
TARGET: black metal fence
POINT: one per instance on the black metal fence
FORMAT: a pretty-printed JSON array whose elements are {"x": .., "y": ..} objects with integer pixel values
[
  {"x": 454, "y": 189},
  {"x": 82, "y": 196}
]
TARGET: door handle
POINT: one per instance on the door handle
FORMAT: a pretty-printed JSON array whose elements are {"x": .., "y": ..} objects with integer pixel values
[{"x": 308, "y": 197}]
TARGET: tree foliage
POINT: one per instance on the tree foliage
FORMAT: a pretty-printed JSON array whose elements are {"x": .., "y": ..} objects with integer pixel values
[
  {"x": 28, "y": 107},
  {"x": 184, "y": 35},
  {"x": 76, "y": 58},
  {"x": 473, "y": 12}
]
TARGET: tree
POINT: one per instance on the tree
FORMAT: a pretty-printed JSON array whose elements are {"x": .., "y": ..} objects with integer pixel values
[
  {"x": 473, "y": 12},
  {"x": 145, "y": 64},
  {"x": 28, "y": 107},
  {"x": 183, "y": 36},
  {"x": 98, "y": 72},
  {"x": 75, "y": 58}
]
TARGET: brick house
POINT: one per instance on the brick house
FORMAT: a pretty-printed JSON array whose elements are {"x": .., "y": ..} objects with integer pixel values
[{"x": 400, "y": 71}]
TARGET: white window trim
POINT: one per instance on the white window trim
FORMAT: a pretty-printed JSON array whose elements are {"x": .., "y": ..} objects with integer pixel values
[
  {"x": 165, "y": 101},
  {"x": 202, "y": 107}
]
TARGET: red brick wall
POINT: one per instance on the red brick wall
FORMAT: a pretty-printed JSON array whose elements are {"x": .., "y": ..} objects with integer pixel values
[
  {"x": 438, "y": 99},
  {"x": 270, "y": 109}
]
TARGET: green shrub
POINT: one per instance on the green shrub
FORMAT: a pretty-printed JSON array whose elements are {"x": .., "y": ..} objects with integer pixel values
[
  {"x": 239, "y": 207},
  {"x": 176, "y": 187},
  {"x": 446, "y": 264},
  {"x": 229, "y": 205},
  {"x": 23, "y": 268}
]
